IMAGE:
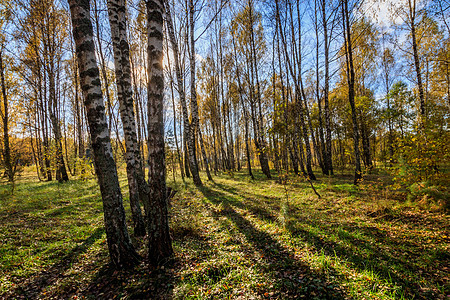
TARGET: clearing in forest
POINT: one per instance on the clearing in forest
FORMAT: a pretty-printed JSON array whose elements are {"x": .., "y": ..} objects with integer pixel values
[{"x": 233, "y": 238}]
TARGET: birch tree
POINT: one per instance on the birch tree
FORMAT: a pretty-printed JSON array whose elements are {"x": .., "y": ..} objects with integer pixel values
[
  {"x": 159, "y": 241},
  {"x": 121, "y": 251},
  {"x": 188, "y": 129},
  {"x": 136, "y": 181}
]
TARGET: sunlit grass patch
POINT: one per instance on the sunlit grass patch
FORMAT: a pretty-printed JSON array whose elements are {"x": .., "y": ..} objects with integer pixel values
[{"x": 233, "y": 238}]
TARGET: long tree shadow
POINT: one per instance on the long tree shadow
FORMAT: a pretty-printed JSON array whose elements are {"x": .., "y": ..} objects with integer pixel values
[
  {"x": 361, "y": 246},
  {"x": 391, "y": 265},
  {"x": 293, "y": 278},
  {"x": 32, "y": 287},
  {"x": 262, "y": 209}
]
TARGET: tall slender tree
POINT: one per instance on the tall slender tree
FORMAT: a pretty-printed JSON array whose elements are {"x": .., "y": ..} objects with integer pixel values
[
  {"x": 136, "y": 182},
  {"x": 188, "y": 129},
  {"x": 4, "y": 114},
  {"x": 159, "y": 241},
  {"x": 298, "y": 88},
  {"x": 194, "y": 105},
  {"x": 326, "y": 90},
  {"x": 351, "y": 86},
  {"x": 121, "y": 251},
  {"x": 412, "y": 19}
]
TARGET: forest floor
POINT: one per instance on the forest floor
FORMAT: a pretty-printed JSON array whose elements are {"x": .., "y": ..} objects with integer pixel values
[{"x": 234, "y": 238}]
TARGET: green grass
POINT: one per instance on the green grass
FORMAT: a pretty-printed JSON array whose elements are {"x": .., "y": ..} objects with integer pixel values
[{"x": 233, "y": 238}]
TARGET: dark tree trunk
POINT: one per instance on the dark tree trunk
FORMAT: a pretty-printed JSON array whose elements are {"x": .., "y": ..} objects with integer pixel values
[
  {"x": 247, "y": 147},
  {"x": 351, "y": 88},
  {"x": 412, "y": 15},
  {"x": 61, "y": 172},
  {"x": 186, "y": 158},
  {"x": 194, "y": 105},
  {"x": 328, "y": 152},
  {"x": 44, "y": 128},
  {"x": 260, "y": 140},
  {"x": 366, "y": 145},
  {"x": 5, "y": 119},
  {"x": 321, "y": 150}
]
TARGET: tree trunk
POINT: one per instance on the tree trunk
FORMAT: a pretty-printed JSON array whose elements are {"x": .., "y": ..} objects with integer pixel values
[
  {"x": 110, "y": 111},
  {"x": 186, "y": 158},
  {"x": 275, "y": 110},
  {"x": 247, "y": 147},
  {"x": 44, "y": 127},
  {"x": 366, "y": 145},
  {"x": 122, "y": 252},
  {"x": 137, "y": 114},
  {"x": 174, "y": 111},
  {"x": 241, "y": 98},
  {"x": 5, "y": 119},
  {"x": 189, "y": 129},
  {"x": 80, "y": 145},
  {"x": 261, "y": 146},
  {"x": 138, "y": 188},
  {"x": 61, "y": 172},
  {"x": 284, "y": 100},
  {"x": 412, "y": 12},
  {"x": 328, "y": 152},
  {"x": 216, "y": 161},
  {"x": 180, "y": 161},
  {"x": 351, "y": 88},
  {"x": 321, "y": 152},
  {"x": 194, "y": 105},
  {"x": 39, "y": 140},
  {"x": 230, "y": 146},
  {"x": 236, "y": 118},
  {"x": 298, "y": 93},
  {"x": 159, "y": 241},
  {"x": 33, "y": 150}
]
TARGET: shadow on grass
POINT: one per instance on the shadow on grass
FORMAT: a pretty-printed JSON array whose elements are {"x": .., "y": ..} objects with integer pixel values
[
  {"x": 138, "y": 283},
  {"x": 372, "y": 250},
  {"x": 293, "y": 278},
  {"x": 144, "y": 282},
  {"x": 397, "y": 261},
  {"x": 256, "y": 204},
  {"x": 35, "y": 284}
]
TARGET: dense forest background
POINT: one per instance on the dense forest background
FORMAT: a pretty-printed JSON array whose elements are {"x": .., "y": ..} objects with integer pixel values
[
  {"x": 197, "y": 97},
  {"x": 286, "y": 86}
]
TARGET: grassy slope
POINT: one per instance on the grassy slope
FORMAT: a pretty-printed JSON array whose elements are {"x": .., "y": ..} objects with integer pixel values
[{"x": 234, "y": 238}]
